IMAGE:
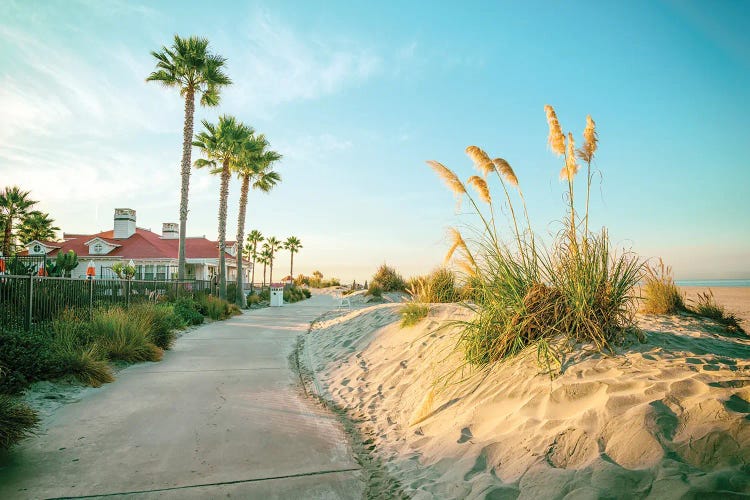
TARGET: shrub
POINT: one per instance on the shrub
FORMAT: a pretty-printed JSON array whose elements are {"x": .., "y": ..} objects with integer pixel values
[
  {"x": 375, "y": 290},
  {"x": 216, "y": 308},
  {"x": 253, "y": 299},
  {"x": 660, "y": 294},
  {"x": 164, "y": 322},
  {"x": 306, "y": 292},
  {"x": 438, "y": 286},
  {"x": 26, "y": 356},
  {"x": 294, "y": 294},
  {"x": 412, "y": 313},
  {"x": 123, "y": 336},
  {"x": 706, "y": 306},
  {"x": 265, "y": 294},
  {"x": 232, "y": 292},
  {"x": 187, "y": 309},
  {"x": 17, "y": 420},
  {"x": 389, "y": 279},
  {"x": 579, "y": 290}
]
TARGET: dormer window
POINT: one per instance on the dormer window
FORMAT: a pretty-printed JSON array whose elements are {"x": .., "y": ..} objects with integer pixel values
[
  {"x": 98, "y": 248},
  {"x": 37, "y": 248}
]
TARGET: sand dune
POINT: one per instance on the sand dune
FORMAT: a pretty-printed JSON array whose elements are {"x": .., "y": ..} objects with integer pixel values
[{"x": 666, "y": 419}]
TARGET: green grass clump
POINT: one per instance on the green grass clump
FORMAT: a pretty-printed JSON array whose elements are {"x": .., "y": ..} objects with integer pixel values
[
  {"x": 375, "y": 290},
  {"x": 78, "y": 354},
  {"x": 437, "y": 287},
  {"x": 295, "y": 294},
  {"x": 17, "y": 421},
  {"x": 388, "y": 279},
  {"x": 706, "y": 306},
  {"x": 216, "y": 308},
  {"x": 123, "y": 336},
  {"x": 660, "y": 294},
  {"x": 412, "y": 313}
]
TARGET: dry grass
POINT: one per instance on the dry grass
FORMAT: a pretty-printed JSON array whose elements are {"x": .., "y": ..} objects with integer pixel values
[
  {"x": 706, "y": 306},
  {"x": 17, "y": 421},
  {"x": 660, "y": 294},
  {"x": 412, "y": 313}
]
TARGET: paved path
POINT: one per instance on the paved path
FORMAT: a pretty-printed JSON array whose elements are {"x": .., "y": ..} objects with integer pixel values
[{"x": 219, "y": 416}]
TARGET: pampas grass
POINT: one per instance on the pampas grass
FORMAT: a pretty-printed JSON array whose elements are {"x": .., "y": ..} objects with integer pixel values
[
  {"x": 449, "y": 177},
  {"x": 481, "y": 160},
  {"x": 483, "y": 191},
  {"x": 579, "y": 290}
]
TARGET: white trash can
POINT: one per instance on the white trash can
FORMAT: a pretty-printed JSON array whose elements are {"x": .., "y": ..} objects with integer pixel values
[{"x": 277, "y": 295}]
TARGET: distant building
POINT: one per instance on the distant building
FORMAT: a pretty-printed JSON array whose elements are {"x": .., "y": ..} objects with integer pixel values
[{"x": 154, "y": 255}]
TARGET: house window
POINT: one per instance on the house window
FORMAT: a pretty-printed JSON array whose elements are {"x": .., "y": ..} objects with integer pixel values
[
  {"x": 148, "y": 272},
  {"x": 161, "y": 272},
  {"x": 37, "y": 248},
  {"x": 98, "y": 248}
]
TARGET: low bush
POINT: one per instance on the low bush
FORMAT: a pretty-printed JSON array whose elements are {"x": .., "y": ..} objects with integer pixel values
[
  {"x": 389, "y": 279},
  {"x": 123, "y": 336},
  {"x": 375, "y": 290},
  {"x": 78, "y": 355},
  {"x": 25, "y": 357},
  {"x": 307, "y": 293},
  {"x": 253, "y": 299},
  {"x": 187, "y": 309},
  {"x": 660, "y": 294},
  {"x": 163, "y": 320},
  {"x": 412, "y": 313},
  {"x": 265, "y": 294},
  {"x": 216, "y": 308},
  {"x": 706, "y": 306},
  {"x": 294, "y": 294},
  {"x": 17, "y": 420}
]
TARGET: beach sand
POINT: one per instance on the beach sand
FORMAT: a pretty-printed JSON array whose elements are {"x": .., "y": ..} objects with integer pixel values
[
  {"x": 734, "y": 299},
  {"x": 669, "y": 418}
]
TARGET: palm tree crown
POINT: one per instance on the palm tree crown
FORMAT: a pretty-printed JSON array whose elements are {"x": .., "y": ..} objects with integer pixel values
[
  {"x": 37, "y": 226},
  {"x": 189, "y": 66},
  {"x": 14, "y": 204},
  {"x": 293, "y": 244}
]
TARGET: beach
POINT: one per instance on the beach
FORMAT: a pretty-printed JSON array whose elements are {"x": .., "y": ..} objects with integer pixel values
[
  {"x": 735, "y": 299},
  {"x": 663, "y": 418}
]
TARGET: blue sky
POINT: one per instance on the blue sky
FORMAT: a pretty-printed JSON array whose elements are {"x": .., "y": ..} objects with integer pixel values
[{"x": 358, "y": 95}]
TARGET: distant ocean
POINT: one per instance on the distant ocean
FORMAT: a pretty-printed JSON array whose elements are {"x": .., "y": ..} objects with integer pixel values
[{"x": 714, "y": 283}]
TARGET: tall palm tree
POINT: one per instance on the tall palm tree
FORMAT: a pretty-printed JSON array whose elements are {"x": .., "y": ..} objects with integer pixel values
[
  {"x": 192, "y": 69},
  {"x": 293, "y": 244},
  {"x": 37, "y": 226},
  {"x": 253, "y": 239},
  {"x": 264, "y": 258},
  {"x": 221, "y": 144},
  {"x": 273, "y": 244},
  {"x": 253, "y": 165},
  {"x": 14, "y": 205}
]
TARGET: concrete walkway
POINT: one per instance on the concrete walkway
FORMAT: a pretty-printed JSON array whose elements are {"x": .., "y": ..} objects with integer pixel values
[{"x": 219, "y": 416}]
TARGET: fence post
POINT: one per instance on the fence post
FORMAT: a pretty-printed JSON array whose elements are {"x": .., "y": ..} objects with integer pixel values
[
  {"x": 127, "y": 294},
  {"x": 30, "y": 303},
  {"x": 91, "y": 299}
]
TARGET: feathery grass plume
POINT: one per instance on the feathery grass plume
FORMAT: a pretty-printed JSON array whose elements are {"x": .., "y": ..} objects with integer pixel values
[
  {"x": 506, "y": 171},
  {"x": 482, "y": 189},
  {"x": 481, "y": 160},
  {"x": 590, "y": 140},
  {"x": 571, "y": 166},
  {"x": 449, "y": 177},
  {"x": 467, "y": 267},
  {"x": 425, "y": 409},
  {"x": 457, "y": 241},
  {"x": 556, "y": 138},
  {"x": 660, "y": 294}
]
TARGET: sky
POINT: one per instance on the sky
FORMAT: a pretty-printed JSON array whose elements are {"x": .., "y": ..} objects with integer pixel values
[{"x": 358, "y": 95}]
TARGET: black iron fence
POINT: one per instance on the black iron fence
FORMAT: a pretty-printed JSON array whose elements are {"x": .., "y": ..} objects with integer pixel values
[{"x": 29, "y": 300}]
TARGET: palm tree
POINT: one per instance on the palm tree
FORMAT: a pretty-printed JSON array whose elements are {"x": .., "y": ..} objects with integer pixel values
[
  {"x": 253, "y": 165},
  {"x": 189, "y": 66},
  {"x": 37, "y": 226},
  {"x": 222, "y": 144},
  {"x": 273, "y": 244},
  {"x": 14, "y": 205},
  {"x": 293, "y": 244},
  {"x": 264, "y": 258},
  {"x": 253, "y": 239}
]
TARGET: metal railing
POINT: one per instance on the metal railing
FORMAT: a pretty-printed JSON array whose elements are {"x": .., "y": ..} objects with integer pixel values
[{"x": 30, "y": 300}]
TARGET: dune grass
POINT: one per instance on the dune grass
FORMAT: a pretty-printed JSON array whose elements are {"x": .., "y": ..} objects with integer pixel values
[
  {"x": 437, "y": 287},
  {"x": 412, "y": 313},
  {"x": 78, "y": 354},
  {"x": 660, "y": 294},
  {"x": 163, "y": 320},
  {"x": 523, "y": 293},
  {"x": 705, "y": 305},
  {"x": 17, "y": 421}
]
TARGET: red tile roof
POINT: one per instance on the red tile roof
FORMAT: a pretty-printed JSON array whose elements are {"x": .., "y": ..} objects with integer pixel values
[{"x": 143, "y": 244}]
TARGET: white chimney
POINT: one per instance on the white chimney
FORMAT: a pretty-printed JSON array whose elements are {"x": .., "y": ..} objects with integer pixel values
[
  {"x": 124, "y": 222},
  {"x": 169, "y": 231}
]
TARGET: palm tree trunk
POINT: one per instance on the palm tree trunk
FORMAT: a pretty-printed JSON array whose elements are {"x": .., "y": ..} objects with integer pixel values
[
  {"x": 252, "y": 278},
  {"x": 6, "y": 237},
  {"x": 291, "y": 268},
  {"x": 240, "y": 237},
  {"x": 187, "y": 144},
  {"x": 270, "y": 274},
  {"x": 224, "y": 195},
  {"x": 264, "y": 277}
]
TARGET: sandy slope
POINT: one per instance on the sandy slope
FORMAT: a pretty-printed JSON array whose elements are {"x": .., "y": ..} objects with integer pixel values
[{"x": 665, "y": 419}]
